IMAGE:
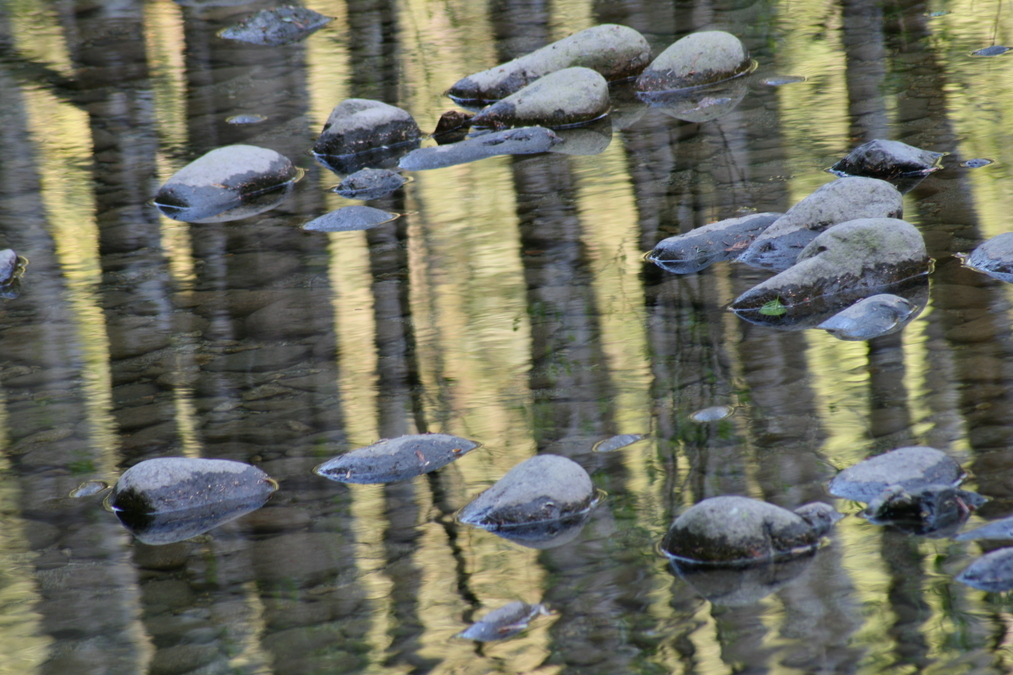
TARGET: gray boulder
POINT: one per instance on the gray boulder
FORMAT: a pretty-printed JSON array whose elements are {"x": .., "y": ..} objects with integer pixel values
[
  {"x": 278, "y": 26},
  {"x": 846, "y": 263},
  {"x": 887, "y": 160},
  {"x": 370, "y": 184},
  {"x": 700, "y": 58},
  {"x": 563, "y": 98},
  {"x": 358, "y": 125},
  {"x": 724, "y": 240},
  {"x": 395, "y": 459},
  {"x": 733, "y": 530},
  {"x": 228, "y": 183},
  {"x": 871, "y": 317},
  {"x": 994, "y": 257},
  {"x": 503, "y": 623},
  {"x": 350, "y": 219},
  {"x": 616, "y": 52},
  {"x": 8, "y": 265},
  {"x": 992, "y": 572},
  {"x": 521, "y": 141},
  {"x": 543, "y": 489},
  {"x": 836, "y": 202}
]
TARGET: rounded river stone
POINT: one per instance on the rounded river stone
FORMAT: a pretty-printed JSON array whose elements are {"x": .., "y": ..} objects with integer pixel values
[
  {"x": 994, "y": 257},
  {"x": 886, "y": 159},
  {"x": 614, "y": 51},
  {"x": 370, "y": 184},
  {"x": 541, "y": 489},
  {"x": 697, "y": 59},
  {"x": 992, "y": 572},
  {"x": 695, "y": 250},
  {"x": 521, "y": 141},
  {"x": 8, "y": 265},
  {"x": 396, "y": 459},
  {"x": 563, "y": 98},
  {"x": 871, "y": 317},
  {"x": 357, "y": 124},
  {"x": 737, "y": 530},
  {"x": 504, "y": 622},
  {"x": 909, "y": 467},
  {"x": 839, "y": 201}
]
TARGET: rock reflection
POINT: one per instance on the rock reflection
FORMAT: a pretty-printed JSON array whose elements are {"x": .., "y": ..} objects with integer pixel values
[{"x": 741, "y": 586}]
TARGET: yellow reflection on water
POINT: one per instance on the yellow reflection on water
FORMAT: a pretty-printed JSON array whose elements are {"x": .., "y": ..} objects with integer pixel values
[
  {"x": 165, "y": 45},
  {"x": 63, "y": 136},
  {"x": 839, "y": 376},
  {"x": 38, "y": 35}
]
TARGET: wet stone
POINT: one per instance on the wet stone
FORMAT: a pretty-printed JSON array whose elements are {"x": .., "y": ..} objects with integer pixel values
[
  {"x": 994, "y": 50},
  {"x": 246, "y": 119},
  {"x": 976, "y": 163},
  {"x": 544, "y": 488},
  {"x": 396, "y": 459},
  {"x": 702, "y": 247},
  {"x": 357, "y": 125},
  {"x": 733, "y": 530},
  {"x": 999, "y": 529},
  {"x": 887, "y": 160},
  {"x": 452, "y": 126},
  {"x": 8, "y": 265},
  {"x": 350, "y": 219},
  {"x": 712, "y": 414},
  {"x": 503, "y": 623},
  {"x": 994, "y": 257},
  {"x": 933, "y": 510},
  {"x": 564, "y": 98},
  {"x": 615, "y": 52},
  {"x": 370, "y": 184},
  {"x": 839, "y": 201},
  {"x": 279, "y": 26},
  {"x": 521, "y": 141},
  {"x": 618, "y": 442},
  {"x": 992, "y": 572},
  {"x": 781, "y": 80},
  {"x": 699, "y": 58},
  {"x": 229, "y": 183},
  {"x": 871, "y": 317}
]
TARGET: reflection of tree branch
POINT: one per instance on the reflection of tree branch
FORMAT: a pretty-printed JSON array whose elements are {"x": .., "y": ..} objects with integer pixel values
[
  {"x": 450, "y": 527},
  {"x": 27, "y": 71}
]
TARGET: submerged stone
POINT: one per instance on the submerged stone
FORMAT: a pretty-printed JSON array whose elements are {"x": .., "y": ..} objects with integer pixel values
[
  {"x": 695, "y": 250},
  {"x": 911, "y": 468},
  {"x": 977, "y": 163},
  {"x": 994, "y": 50},
  {"x": 846, "y": 263},
  {"x": 839, "y": 201},
  {"x": 585, "y": 140},
  {"x": 396, "y": 459},
  {"x": 278, "y": 26},
  {"x": 887, "y": 160},
  {"x": 503, "y": 623},
  {"x": 931, "y": 510},
  {"x": 618, "y": 442},
  {"x": 871, "y": 317},
  {"x": 542, "y": 489},
  {"x": 564, "y": 98},
  {"x": 228, "y": 183},
  {"x": 712, "y": 414},
  {"x": 170, "y": 499},
  {"x": 358, "y": 125},
  {"x": 370, "y": 184},
  {"x": 992, "y": 572},
  {"x": 999, "y": 529},
  {"x": 615, "y": 52},
  {"x": 699, "y": 58},
  {"x": 522, "y": 141},
  {"x": 350, "y": 219},
  {"x": 993, "y": 257},
  {"x": 246, "y": 119},
  {"x": 8, "y": 265},
  {"x": 733, "y": 530}
]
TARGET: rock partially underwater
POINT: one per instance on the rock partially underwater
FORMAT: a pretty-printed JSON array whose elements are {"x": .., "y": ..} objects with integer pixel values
[
  {"x": 237, "y": 181},
  {"x": 839, "y": 201},
  {"x": 874, "y": 316},
  {"x": 994, "y": 257},
  {"x": 362, "y": 133},
  {"x": 699, "y": 58},
  {"x": 278, "y": 26},
  {"x": 541, "y": 502},
  {"x": 503, "y": 623},
  {"x": 12, "y": 269},
  {"x": 700, "y": 248},
  {"x": 370, "y": 184},
  {"x": 992, "y": 572},
  {"x": 615, "y": 52},
  {"x": 733, "y": 530},
  {"x": 887, "y": 160},
  {"x": 171, "y": 499},
  {"x": 396, "y": 459},
  {"x": 564, "y": 98},
  {"x": 350, "y": 219},
  {"x": 914, "y": 489},
  {"x": 521, "y": 141},
  {"x": 848, "y": 262}
]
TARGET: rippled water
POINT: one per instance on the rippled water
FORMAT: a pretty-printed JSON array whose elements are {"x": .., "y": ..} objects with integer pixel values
[{"x": 510, "y": 305}]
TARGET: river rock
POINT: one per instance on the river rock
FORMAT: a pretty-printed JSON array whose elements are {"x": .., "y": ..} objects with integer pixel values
[
  {"x": 992, "y": 572},
  {"x": 697, "y": 59},
  {"x": 848, "y": 262},
  {"x": 395, "y": 459},
  {"x": 522, "y": 141},
  {"x": 349, "y": 219},
  {"x": 560, "y": 99},
  {"x": 229, "y": 183},
  {"x": 933, "y": 510},
  {"x": 887, "y": 160},
  {"x": 370, "y": 184},
  {"x": 693, "y": 251},
  {"x": 358, "y": 125},
  {"x": 836, "y": 202},
  {"x": 8, "y": 265},
  {"x": 871, "y": 317},
  {"x": 278, "y": 26},
  {"x": 503, "y": 623},
  {"x": 733, "y": 530},
  {"x": 616, "y": 52},
  {"x": 170, "y": 499},
  {"x": 994, "y": 257},
  {"x": 999, "y": 529},
  {"x": 543, "y": 489}
]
